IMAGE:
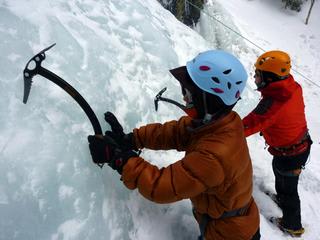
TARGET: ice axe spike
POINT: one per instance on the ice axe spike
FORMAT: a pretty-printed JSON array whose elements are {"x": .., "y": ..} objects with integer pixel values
[{"x": 32, "y": 70}]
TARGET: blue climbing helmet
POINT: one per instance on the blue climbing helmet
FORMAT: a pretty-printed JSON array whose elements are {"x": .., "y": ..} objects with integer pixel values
[{"x": 219, "y": 73}]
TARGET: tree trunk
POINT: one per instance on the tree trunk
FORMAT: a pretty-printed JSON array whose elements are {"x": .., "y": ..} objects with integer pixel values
[
  {"x": 287, "y": 3},
  {"x": 307, "y": 20}
]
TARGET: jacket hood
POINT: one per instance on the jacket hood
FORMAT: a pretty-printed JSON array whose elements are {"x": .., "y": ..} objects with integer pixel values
[{"x": 280, "y": 90}]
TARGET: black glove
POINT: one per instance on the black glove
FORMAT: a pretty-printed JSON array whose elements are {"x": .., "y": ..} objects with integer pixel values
[
  {"x": 125, "y": 141},
  {"x": 106, "y": 150},
  {"x": 102, "y": 149},
  {"x": 120, "y": 159}
]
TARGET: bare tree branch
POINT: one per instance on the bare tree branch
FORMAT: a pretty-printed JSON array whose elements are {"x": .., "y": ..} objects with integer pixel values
[{"x": 307, "y": 19}]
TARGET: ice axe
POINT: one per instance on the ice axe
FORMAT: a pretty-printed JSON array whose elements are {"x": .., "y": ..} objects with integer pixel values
[
  {"x": 159, "y": 97},
  {"x": 34, "y": 68}
]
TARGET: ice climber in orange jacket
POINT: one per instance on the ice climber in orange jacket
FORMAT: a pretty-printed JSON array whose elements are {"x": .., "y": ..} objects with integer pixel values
[
  {"x": 280, "y": 119},
  {"x": 216, "y": 171}
]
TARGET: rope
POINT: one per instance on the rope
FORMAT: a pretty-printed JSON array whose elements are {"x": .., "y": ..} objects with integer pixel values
[{"x": 248, "y": 40}]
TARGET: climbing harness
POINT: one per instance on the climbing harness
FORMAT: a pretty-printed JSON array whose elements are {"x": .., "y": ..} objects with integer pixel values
[{"x": 205, "y": 218}]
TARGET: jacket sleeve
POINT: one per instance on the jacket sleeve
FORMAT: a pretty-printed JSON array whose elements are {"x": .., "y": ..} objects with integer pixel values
[
  {"x": 262, "y": 117},
  {"x": 170, "y": 135},
  {"x": 185, "y": 178}
]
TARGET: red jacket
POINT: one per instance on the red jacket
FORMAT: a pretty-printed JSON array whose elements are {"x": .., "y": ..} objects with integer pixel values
[{"x": 280, "y": 115}]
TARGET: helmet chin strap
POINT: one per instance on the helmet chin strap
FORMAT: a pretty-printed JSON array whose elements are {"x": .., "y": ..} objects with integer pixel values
[{"x": 207, "y": 116}]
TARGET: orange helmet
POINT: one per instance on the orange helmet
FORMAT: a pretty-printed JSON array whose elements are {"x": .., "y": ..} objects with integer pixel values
[{"x": 277, "y": 62}]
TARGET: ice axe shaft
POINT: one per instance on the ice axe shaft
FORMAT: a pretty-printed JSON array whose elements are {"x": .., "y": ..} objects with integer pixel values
[{"x": 34, "y": 68}]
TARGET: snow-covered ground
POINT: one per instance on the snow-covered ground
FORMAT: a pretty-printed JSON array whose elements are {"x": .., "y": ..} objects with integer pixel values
[{"x": 117, "y": 55}]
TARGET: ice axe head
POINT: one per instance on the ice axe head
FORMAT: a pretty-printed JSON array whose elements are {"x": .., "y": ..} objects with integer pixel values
[
  {"x": 158, "y": 98},
  {"x": 31, "y": 70}
]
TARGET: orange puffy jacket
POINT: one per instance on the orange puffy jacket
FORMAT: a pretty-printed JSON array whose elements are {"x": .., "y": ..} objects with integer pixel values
[
  {"x": 279, "y": 115},
  {"x": 216, "y": 172}
]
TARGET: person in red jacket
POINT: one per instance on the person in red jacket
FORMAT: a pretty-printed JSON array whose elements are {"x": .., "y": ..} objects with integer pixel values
[
  {"x": 216, "y": 171},
  {"x": 280, "y": 119}
]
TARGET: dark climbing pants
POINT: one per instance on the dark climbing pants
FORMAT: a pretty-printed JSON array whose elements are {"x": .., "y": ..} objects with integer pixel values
[{"x": 286, "y": 171}]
